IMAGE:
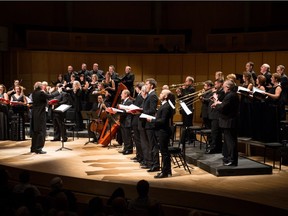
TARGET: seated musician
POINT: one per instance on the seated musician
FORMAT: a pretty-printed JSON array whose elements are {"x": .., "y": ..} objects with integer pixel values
[
  {"x": 58, "y": 117},
  {"x": 19, "y": 106},
  {"x": 4, "y": 101},
  {"x": 96, "y": 126}
]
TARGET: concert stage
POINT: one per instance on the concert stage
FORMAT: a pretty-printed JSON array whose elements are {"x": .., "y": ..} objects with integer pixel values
[{"x": 91, "y": 170}]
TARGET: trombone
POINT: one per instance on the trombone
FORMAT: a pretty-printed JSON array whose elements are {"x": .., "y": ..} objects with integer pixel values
[
  {"x": 175, "y": 86},
  {"x": 189, "y": 96},
  {"x": 199, "y": 93}
]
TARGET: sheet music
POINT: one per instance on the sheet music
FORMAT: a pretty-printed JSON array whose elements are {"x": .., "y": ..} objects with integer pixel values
[
  {"x": 258, "y": 90},
  {"x": 171, "y": 104},
  {"x": 185, "y": 108},
  {"x": 130, "y": 107},
  {"x": 63, "y": 108},
  {"x": 143, "y": 115},
  {"x": 117, "y": 110},
  {"x": 241, "y": 88}
]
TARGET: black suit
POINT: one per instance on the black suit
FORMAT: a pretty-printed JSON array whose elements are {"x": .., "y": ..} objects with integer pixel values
[
  {"x": 228, "y": 113},
  {"x": 163, "y": 131},
  {"x": 128, "y": 81},
  {"x": 38, "y": 126},
  {"x": 151, "y": 150},
  {"x": 125, "y": 126},
  {"x": 216, "y": 133}
]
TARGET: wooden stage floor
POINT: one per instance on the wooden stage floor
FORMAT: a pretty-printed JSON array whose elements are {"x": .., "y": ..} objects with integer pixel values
[{"x": 93, "y": 170}]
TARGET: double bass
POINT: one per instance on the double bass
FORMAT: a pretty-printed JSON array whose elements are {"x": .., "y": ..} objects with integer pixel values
[{"x": 107, "y": 135}]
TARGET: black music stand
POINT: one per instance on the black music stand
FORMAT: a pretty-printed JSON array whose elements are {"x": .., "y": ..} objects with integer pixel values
[
  {"x": 89, "y": 115},
  {"x": 62, "y": 109}
]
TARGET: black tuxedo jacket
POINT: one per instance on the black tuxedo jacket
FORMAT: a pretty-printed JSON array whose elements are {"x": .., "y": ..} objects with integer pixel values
[
  {"x": 228, "y": 110},
  {"x": 150, "y": 108},
  {"x": 137, "y": 102},
  {"x": 163, "y": 118},
  {"x": 39, "y": 99},
  {"x": 126, "y": 118}
]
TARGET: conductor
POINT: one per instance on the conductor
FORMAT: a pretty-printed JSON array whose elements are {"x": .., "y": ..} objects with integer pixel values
[{"x": 38, "y": 126}]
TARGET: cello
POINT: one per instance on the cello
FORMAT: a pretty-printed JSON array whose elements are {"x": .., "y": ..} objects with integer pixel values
[
  {"x": 107, "y": 135},
  {"x": 97, "y": 125}
]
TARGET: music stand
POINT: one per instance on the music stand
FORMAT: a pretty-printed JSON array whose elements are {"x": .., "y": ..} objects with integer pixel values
[
  {"x": 89, "y": 115},
  {"x": 62, "y": 109}
]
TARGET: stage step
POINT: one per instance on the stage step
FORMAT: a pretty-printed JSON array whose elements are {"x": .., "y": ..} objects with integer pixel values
[{"x": 213, "y": 164}]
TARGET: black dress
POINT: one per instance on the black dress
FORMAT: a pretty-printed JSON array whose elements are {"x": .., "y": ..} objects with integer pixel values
[
  {"x": 17, "y": 119},
  {"x": 4, "y": 126}
]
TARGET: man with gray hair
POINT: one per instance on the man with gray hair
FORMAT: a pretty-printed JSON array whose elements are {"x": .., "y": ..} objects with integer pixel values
[
  {"x": 38, "y": 126},
  {"x": 265, "y": 71},
  {"x": 228, "y": 113}
]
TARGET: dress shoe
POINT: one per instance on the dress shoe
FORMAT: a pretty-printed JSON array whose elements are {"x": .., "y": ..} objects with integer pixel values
[
  {"x": 65, "y": 139},
  {"x": 127, "y": 152},
  {"x": 230, "y": 163},
  {"x": 210, "y": 151},
  {"x": 145, "y": 167},
  {"x": 154, "y": 169},
  {"x": 134, "y": 158},
  {"x": 41, "y": 152},
  {"x": 55, "y": 140},
  {"x": 142, "y": 163},
  {"x": 162, "y": 175}
]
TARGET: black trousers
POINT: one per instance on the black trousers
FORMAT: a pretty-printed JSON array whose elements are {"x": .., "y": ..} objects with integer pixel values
[
  {"x": 38, "y": 138},
  {"x": 144, "y": 146},
  {"x": 216, "y": 136},
  {"x": 164, "y": 138},
  {"x": 137, "y": 142},
  {"x": 230, "y": 151},
  {"x": 59, "y": 126},
  {"x": 153, "y": 147},
  {"x": 127, "y": 138}
]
